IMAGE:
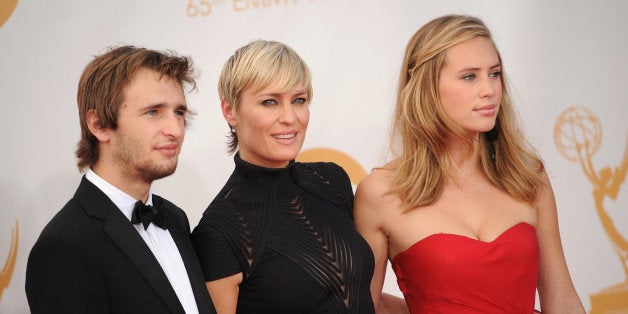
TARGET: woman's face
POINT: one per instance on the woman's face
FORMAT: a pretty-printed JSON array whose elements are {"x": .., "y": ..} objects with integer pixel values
[
  {"x": 470, "y": 85},
  {"x": 270, "y": 125}
]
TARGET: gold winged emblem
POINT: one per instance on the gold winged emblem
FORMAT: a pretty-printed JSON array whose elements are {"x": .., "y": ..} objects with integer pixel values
[
  {"x": 9, "y": 264},
  {"x": 578, "y": 135}
]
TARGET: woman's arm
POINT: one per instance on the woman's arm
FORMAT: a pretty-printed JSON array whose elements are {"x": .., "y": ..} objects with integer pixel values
[
  {"x": 369, "y": 214},
  {"x": 557, "y": 293},
  {"x": 390, "y": 304},
  {"x": 224, "y": 293}
]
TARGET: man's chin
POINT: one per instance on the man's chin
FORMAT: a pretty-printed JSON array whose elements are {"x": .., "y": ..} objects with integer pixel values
[{"x": 150, "y": 174}]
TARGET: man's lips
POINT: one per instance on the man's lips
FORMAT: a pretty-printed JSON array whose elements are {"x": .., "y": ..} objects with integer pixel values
[{"x": 168, "y": 149}]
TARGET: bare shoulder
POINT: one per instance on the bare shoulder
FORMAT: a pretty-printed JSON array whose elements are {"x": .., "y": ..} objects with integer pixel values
[
  {"x": 545, "y": 198},
  {"x": 373, "y": 197},
  {"x": 545, "y": 180},
  {"x": 376, "y": 184}
]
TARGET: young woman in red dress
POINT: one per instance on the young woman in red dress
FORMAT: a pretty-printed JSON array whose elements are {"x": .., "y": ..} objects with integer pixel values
[{"x": 465, "y": 211}]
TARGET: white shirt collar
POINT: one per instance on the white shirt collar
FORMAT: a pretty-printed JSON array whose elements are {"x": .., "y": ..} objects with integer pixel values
[{"x": 123, "y": 201}]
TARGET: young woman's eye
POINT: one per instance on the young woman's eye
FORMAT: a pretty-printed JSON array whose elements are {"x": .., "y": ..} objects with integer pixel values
[
  {"x": 468, "y": 77},
  {"x": 496, "y": 74},
  {"x": 299, "y": 100}
]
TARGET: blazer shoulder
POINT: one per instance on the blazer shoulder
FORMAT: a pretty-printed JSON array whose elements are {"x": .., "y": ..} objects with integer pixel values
[
  {"x": 70, "y": 234},
  {"x": 71, "y": 223},
  {"x": 167, "y": 205},
  {"x": 172, "y": 209}
]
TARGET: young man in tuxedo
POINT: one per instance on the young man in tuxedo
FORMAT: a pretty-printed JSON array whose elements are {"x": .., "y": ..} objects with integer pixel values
[{"x": 115, "y": 247}]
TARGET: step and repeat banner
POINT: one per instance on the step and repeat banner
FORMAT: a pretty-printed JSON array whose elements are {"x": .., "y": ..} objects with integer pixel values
[{"x": 566, "y": 62}]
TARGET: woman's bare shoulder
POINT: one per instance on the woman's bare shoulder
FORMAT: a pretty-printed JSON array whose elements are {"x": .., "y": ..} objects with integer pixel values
[
  {"x": 375, "y": 189},
  {"x": 380, "y": 179}
]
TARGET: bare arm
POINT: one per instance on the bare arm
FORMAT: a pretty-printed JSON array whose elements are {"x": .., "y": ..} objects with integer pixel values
[
  {"x": 390, "y": 304},
  {"x": 224, "y": 293},
  {"x": 369, "y": 209},
  {"x": 557, "y": 293}
]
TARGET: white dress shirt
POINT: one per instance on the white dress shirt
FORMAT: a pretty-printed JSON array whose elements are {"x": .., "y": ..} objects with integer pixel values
[{"x": 158, "y": 240}]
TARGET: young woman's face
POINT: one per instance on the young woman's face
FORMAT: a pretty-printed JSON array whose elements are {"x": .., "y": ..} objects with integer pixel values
[
  {"x": 470, "y": 85},
  {"x": 271, "y": 125}
]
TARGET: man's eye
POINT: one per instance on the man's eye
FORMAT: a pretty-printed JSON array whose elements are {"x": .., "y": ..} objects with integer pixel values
[{"x": 151, "y": 112}]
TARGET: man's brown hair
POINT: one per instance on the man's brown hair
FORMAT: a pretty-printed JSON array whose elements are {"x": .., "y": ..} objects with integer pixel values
[{"x": 102, "y": 85}]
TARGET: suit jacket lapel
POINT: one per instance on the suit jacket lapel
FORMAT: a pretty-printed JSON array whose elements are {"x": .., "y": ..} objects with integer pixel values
[
  {"x": 181, "y": 237},
  {"x": 120, "y": 230}
]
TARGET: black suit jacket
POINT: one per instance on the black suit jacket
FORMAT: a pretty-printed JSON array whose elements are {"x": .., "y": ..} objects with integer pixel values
[{"x": 90, "y": 259}]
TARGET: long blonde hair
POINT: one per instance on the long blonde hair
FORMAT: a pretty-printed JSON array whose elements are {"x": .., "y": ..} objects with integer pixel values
[{"x": 420, "y": 127}]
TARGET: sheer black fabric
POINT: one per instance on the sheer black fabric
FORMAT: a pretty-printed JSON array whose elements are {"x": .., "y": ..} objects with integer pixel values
[{"x": 290, "y": 232}]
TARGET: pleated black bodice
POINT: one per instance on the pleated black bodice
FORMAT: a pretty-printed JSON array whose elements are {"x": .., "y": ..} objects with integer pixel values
[{"x": 290, "y": 232}]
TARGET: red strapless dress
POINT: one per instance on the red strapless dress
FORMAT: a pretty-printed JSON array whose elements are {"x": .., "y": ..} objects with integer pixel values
[{"x": 447, "y": 273}]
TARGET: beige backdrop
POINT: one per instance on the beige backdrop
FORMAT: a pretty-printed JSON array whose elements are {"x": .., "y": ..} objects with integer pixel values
[{"x": 566, "y": 61}]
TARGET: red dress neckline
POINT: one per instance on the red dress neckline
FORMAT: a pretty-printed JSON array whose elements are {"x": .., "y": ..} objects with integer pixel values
[{"x": 450, "y": 273}]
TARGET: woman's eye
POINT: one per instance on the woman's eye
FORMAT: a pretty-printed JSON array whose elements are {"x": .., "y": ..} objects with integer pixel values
[
  {"x": 299, "y": 100},
  {"x": 268, "y": 102},
  {"x": 468, "y": 77},
  {"x": 496, "y": 74}
]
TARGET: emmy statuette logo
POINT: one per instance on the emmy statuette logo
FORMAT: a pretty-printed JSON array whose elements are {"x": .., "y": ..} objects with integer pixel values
[
  {"x": 7, "y": 271},
  {"x": 352, "y": 167},
  {"x": 6, "y": 9},
  {"x": 578, "y": 135}
]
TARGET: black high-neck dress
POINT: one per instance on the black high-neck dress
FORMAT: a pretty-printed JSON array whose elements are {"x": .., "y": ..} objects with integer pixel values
[{"x": 290, "y": 232}]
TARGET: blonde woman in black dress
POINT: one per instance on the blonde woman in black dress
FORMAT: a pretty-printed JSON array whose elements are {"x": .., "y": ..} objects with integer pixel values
[{"x": 279, "y": 237}]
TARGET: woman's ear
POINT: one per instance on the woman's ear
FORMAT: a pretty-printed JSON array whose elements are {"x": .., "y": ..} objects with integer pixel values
[
  {"x": 93, "y": 124},
  {"x": 228, "y": 111}
]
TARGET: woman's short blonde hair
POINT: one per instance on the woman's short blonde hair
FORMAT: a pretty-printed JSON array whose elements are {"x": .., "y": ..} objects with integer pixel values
[{"x": 256, "y": 66}]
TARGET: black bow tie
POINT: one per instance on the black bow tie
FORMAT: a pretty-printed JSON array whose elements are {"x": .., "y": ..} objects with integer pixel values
[{"x": 146, "y": 214}]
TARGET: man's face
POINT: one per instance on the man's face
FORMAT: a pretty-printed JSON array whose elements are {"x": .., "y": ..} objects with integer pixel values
[{"x": 151, "y": 127}]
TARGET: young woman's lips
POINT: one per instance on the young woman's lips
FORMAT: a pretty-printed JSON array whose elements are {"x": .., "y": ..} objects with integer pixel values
[{"x": 488, "y": 110}]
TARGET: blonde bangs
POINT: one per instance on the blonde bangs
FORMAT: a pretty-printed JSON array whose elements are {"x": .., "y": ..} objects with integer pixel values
[
  {"x": 263, "y": 63},
  {"x": 284, "y": 71}
]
